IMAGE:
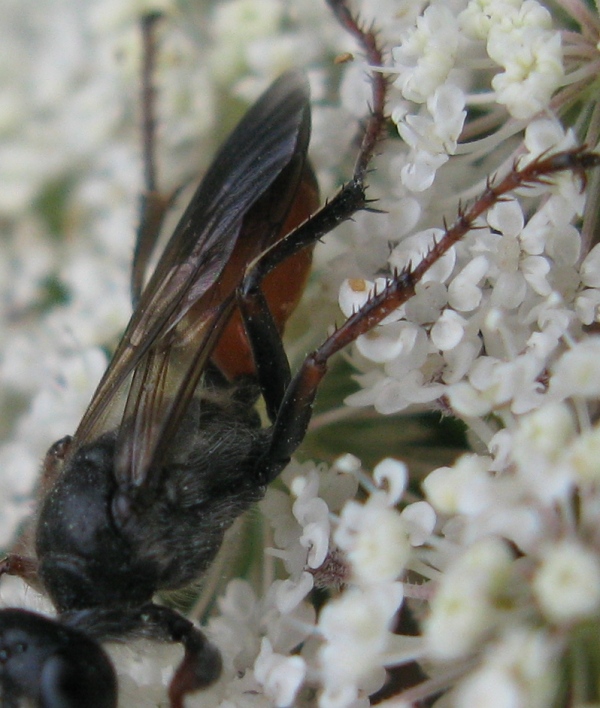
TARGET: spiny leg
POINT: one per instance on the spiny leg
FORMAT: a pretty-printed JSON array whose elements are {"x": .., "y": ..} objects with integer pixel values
[
  {"x": 369, "y": 41},
  {"x": 351, "y": 198},
  {"x": 295, "y": 411},
  {"x": 268, "y": 352}
]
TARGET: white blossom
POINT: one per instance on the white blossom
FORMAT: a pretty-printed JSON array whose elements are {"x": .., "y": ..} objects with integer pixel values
[
  {"x": 280, "y": 675},
  {"x": 567, "y": 583},
  {"x": 468, "y": 605}
]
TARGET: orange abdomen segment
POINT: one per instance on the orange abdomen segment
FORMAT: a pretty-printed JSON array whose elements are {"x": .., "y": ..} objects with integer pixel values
[{"x": 283, "y": 287}]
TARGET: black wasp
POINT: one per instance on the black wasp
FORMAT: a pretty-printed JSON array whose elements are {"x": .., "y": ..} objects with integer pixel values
[{"x": 170, "y": 450}]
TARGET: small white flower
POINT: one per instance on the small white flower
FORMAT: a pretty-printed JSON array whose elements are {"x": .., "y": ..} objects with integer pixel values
[
  {"x": 577, "y": 372},
  {"x": 489, "y": 686},
  {"x": 464, "y": 291},
  {"x": 389, "y": 342},
  {"x": 375, "y": 539},
  {"x": 590, "y": 268},
  {"x": 447, "y": 108},
  {"x": 543, "y": 135},
  {"x": 459, "y": 360},
  {"x": 587, "y": 306},
  {"x": 353, "y": 294},
  {"x": 235, "y": 628},
  {"x": 434, "y": 131},
  {"x": 418, "y": 174},
  {"x": 469, "y": 602},
  {"x": 356, "y": 629},
  {"x": 543, "y": 434},
  {"x": 494, "y": 383},
  {"x": 312, "y": 513},
  {"x": 289, "y": 593},
  {"x": 426, "y": 54},
  {"x": 467, "y": 400},
  {"x": 341, "y": 696},
  {"x": 419, "y": 519},
  {"x": 448, "y": 331},
  {"x": 583, "y": 454},
  {"x": 462, "y": 489},
  {"x": 506, "y": 217},
  {"x": 480, "y": 15},
  {"x": 393, "y": 475},
  {"x": 567, "y": 583},
  {"x": 539, "y": 446},
  {"x": 428, "y": 303},
  {"x": 533, "y": 69},
  {"x": 281, "y": 676},
  {"x": 520, "y": 670}
]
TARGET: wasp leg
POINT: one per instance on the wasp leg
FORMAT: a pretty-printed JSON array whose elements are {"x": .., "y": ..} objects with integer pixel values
[
  {"x": 269, "y": 355},
  {"x": 21, "y": 566},
  {"x": 201, "y": 665},
  {"x": 296, "y": 407},
  {"x": 368, "y": 39},
  {"x": 154, "y": 205},
  {"x": 351, "y": 198}
]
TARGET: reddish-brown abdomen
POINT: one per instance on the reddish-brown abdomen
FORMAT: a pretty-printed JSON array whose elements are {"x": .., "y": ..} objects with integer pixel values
[{"x": 283, "y": 287}]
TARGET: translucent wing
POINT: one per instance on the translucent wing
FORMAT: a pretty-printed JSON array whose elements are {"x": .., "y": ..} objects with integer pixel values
[{"x": 239, "y": 206}]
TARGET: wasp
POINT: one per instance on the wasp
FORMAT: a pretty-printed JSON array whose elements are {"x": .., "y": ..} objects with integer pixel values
[{"x": 171, "y": 449}]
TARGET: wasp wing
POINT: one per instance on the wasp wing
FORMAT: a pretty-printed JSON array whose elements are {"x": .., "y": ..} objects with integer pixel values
[{"x": 191, "y": 294}]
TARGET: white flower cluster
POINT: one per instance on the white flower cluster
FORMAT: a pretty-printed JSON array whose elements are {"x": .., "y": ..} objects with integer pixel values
[
  {"x": 451, "y": 48},
  {"x": 496, "y": 335},
  {"x": 520, "y": 570},
  {"x": 488, "y": 317},
  {"x": 500, "y": 562},
  {"x": 274, "y": 646}
]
